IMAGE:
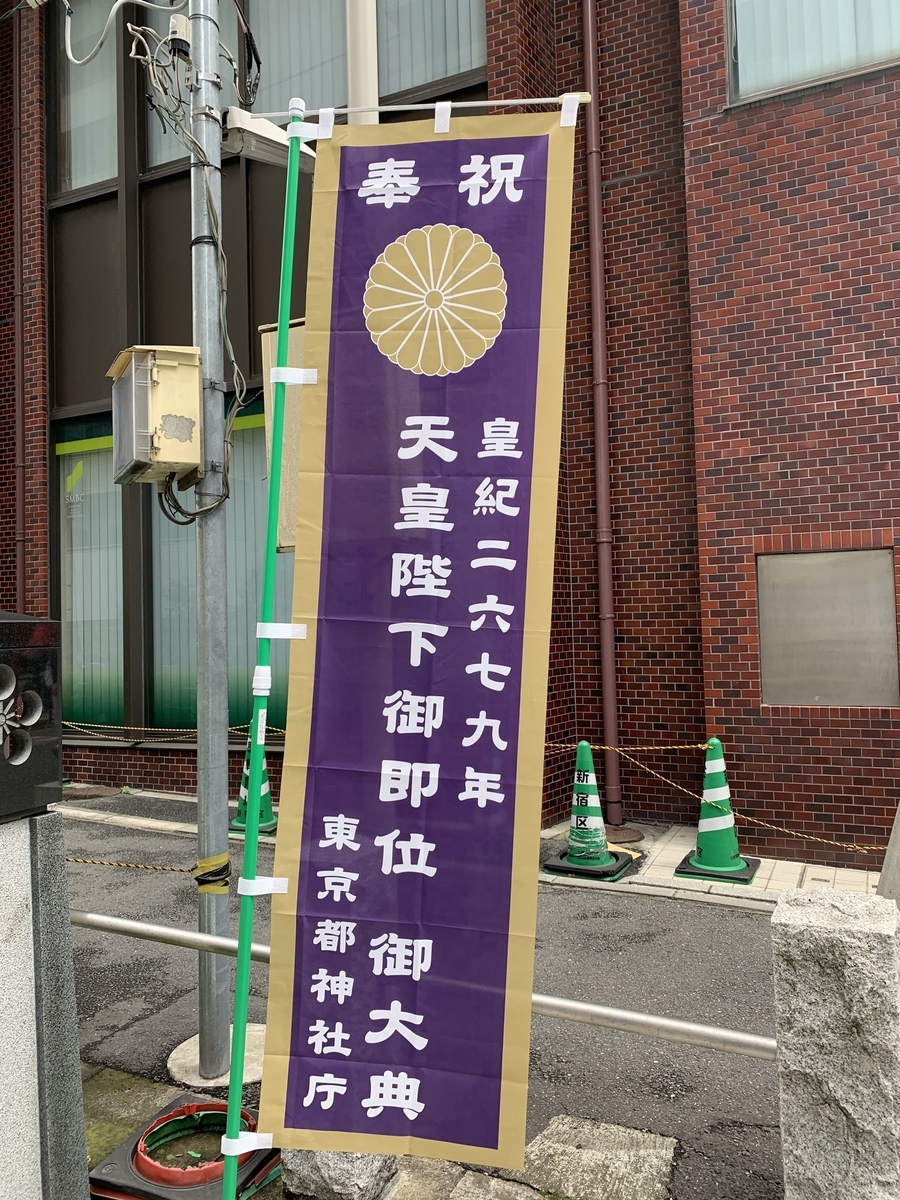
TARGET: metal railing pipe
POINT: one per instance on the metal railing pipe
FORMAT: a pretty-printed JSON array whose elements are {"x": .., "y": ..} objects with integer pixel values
[
  {"x": 189, "y": 938},
  {"x": 667, "y": 1029}
]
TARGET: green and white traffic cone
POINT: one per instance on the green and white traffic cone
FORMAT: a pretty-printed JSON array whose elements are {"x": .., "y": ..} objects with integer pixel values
[
  {"x": 589, "y": 852},
  {"x": 268, "y": 822},
  {"x": 717, "y": 855}
]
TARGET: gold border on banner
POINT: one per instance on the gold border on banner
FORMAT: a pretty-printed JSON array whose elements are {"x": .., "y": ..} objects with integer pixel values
[{"x": 535, "y": 648}]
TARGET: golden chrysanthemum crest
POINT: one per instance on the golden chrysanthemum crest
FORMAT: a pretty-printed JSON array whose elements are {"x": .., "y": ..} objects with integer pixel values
[{"x": 435, "y": 300}]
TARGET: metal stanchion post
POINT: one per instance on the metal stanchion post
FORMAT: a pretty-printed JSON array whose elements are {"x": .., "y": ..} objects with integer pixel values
[{"x": 212, "y": 642}]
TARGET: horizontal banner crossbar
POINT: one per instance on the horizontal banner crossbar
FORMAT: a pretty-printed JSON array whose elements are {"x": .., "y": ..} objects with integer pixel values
[
  {"x": 583, "y": 98},
  {"x": 665, "y": 1028}
]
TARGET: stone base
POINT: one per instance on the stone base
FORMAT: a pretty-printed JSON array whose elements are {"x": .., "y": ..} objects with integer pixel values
[
  {"x": 573, "y": 1159},
  {"x": 184, "y": 1061},
  {"x": 586, "y": 1160},
  {"x": 334, "y": 1175}
]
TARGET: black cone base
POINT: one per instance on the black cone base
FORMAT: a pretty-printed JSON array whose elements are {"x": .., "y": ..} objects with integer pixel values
[
  {"x": 560, "y": 865},
  {"x": 687, "y": 870},
  {"x": 116, "y": 1179}
]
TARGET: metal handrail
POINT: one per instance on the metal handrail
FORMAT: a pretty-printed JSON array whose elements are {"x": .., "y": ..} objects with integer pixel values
[{"x": 667, "y": 1029}]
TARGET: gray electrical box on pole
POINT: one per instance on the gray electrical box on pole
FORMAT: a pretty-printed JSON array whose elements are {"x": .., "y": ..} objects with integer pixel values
[{"x": 212, "y": 609}]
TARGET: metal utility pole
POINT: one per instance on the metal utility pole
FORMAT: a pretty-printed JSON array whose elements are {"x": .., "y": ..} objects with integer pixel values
[
  {"x": 362, "y": 60},
  {"x": 212, "y": 609}
]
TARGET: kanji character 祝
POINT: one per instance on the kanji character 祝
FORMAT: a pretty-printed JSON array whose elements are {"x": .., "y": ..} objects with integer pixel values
[
  {"x": 407, "y": 713},
  {"x": 325, "y": 1040},
  {"x": 481, "y": 723},
  {"x": 394, "y": 955},
  {"x": 396, "y": 1022},
  {"x": 493, "y": 606},
  {"x": 507, "y": 564},
  {"x": 420, "y": 575},
  {"x": 340, "y": 832},
  {"x": 327, "y": 1086},
  {"x": 390, "y": 182},
  {"x": 400, "y": 780},
  {"x": 491, "y": 497},
  {"x": 336, "y": 883},
  {"x": 393, "y": 1091},
  {"x": 504, "y": 170},
  {"x": 414, "y": 843},
  {"x": 340, "y": 986},
  {"x": 500, "y": 439},
  {"x": 482, "y": 786},
  {"x": 417, "y": 639},
  {"x": 426, "y": 433},
  {"x": 424, "y": 507},
  {"x": 334, "y": 935},
  {"x": 485, "y": 669}
]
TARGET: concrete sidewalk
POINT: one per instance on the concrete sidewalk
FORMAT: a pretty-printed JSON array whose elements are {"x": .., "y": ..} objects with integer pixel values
[{"x": 663, "y": 848}]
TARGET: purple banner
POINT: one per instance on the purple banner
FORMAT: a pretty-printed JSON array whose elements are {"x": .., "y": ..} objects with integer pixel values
[{"x": 403, "y": 912}]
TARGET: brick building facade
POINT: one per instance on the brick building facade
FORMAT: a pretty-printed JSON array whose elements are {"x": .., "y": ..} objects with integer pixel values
[{"x": 753, "y": 384}]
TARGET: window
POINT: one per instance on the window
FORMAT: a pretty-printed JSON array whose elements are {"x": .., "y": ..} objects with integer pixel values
[
  {"x": 828, "y": 628},
  {"x": 302, "y": 52},
  {"x": 86, "y": 102},
  {"x": 91, "y": 582},
  {"x": 174, "y": 677},
  {"x": 421, "y": 42},
  {"x": 302, "y": 47},
  {"x": 778, "y": 44}
]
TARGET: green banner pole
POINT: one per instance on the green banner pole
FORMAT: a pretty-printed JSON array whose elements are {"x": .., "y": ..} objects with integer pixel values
[{"x": 262, "y": 675}]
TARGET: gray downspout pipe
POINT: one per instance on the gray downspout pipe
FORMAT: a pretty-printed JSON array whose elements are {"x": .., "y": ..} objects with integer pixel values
[{"x": 612, "y": 783}]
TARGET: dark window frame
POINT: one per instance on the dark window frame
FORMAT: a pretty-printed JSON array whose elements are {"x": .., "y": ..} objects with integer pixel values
[{"x": 127, "y": 188}]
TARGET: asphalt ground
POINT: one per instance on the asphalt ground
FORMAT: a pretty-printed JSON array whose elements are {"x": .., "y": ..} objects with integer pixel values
[{"x": 699, "y": 962}]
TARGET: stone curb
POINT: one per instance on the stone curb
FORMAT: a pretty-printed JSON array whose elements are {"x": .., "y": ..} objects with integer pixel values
[{"x": 751, "y": 899}]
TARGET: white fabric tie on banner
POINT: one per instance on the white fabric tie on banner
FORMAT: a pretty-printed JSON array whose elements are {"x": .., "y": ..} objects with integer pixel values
[
  {"x": 280, "y": 631},
  {"x": 442, "y": 116},
  {"x": 294, "y": 375}
]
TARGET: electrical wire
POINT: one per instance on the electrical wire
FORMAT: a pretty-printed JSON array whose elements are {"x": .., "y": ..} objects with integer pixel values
[
  {"x": 254, "y": 62},
  {"x": 168, "y": 78},
  {"x": 18, "y": 8},
  {"x": 81, "y": 62}
]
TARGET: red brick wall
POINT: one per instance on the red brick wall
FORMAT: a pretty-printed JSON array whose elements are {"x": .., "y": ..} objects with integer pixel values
[
  {"x": 521, "y": 48},
  {"x": 157, "y": 769},
  {"x": 34, "y": 311},
  {"x": 654, "y": 518},
  {"x": 37, "y": 491},
  {"x": 793, "y": 223}
]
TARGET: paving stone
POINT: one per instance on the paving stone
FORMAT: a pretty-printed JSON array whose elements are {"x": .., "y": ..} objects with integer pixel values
[
  {"x": 476, "y": 1186},
  {"x": 423, "y": 1179},
  {"x": 586, "y": 1160}
]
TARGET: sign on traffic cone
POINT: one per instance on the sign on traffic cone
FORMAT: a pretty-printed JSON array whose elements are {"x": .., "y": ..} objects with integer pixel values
[
  {"x": 717, "y": 855},
  {"x": 589, "y": 852},
  {"x": 268, "y": 822}
]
